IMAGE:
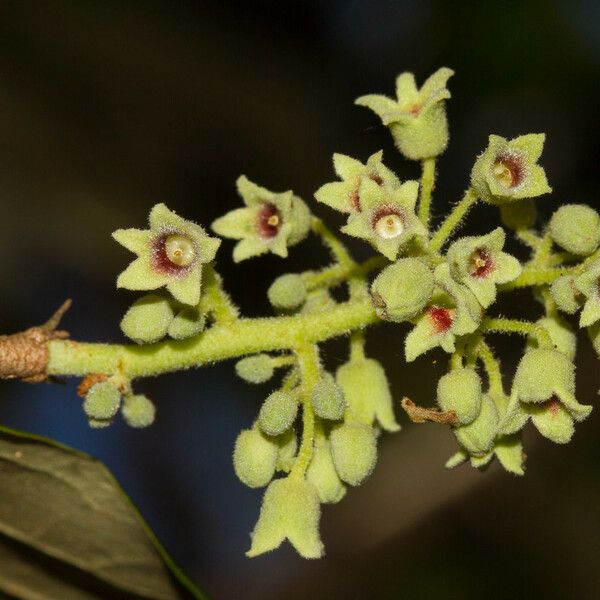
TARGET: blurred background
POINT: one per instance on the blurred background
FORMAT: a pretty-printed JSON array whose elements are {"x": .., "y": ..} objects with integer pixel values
[{"x": 107, "y": 107}]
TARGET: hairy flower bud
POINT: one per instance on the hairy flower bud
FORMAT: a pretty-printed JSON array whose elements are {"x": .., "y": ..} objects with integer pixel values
[
  {"x": 588, "y": 283},
  {"x": 401, "y": 291},
  {"x": 255, "y": 369},
  {"x": 254, "y": 458},
  {"x": 288, "y": 445},
  {"x": 188, "y": 322},
  {"x": 278, "y": 412},
  {"x": 519, "y": 214},
  {"x": 460, "y": 391},
  {"x": 328, "y": 398},
  {"x": 287, "y": 292},
  {"x": 148, "y": 319},
  {"x": 102, "y": 401},
  {"x": 478, "y": 436},
  {"x": 322, "y": 474},
  {"x": 354, "y": 451},
  {"x": 138, "y": 411},
  {"x": 561, "y": 334},
  {"x": 576, "y": 228},
  {"x": 566, "y": 295}
]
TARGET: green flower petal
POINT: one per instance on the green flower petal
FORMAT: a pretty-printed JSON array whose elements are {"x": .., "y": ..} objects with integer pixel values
[
  {"x": 337, "y": 195},
  {"x": 357, "y": 227},
  {"x": 371, "y": 194},
  {"x": 435, "y": 84},
  {"x": 554, "y": 423},
  {"x": 407, "y": 194},
  {"x": 578, "y": 411},
  {"x": 162, "y": 218},
  {"x": 509, "y": 451},
  {"x": 535, "y": 185},
  {"x": 385, "y": 108},
  {"x": 187, "y": 289},
  {"x": 136, "y": 240},
  {"x": 251, "y": 193},
  {"x": 483, "y": 289},
  {"x": 139, "y": 275},
  {"x": 531, "y": 145},
  {"x": 590, "y": 313},
  {"x": 248, "y": 248},
  {"x": 508, "y": 268},
  {"x": 346, "y": 167},
  {"x": 235, "y": 224},
  {"x": 406, "y": 88}
]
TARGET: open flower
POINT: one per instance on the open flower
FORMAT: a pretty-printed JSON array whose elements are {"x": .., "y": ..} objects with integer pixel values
[
  {"x": 171, "y": 253},
  {"x": 452, "y": 312},
  {"x": 291, "y": 510},
  {"x": 588, "y": 283},
  {"x": 270, "y": 222},
  {"x": 507, "y": 170},
  {"x": 344, "y": 195},
  {"x": 387, "y": 219},
  {"x": 417, "y": 118},
  {"x": 479, "y": 263}
]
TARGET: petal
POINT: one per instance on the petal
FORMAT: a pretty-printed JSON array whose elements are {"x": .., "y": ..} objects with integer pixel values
[
  {"x": 207, "y": 247},
  {"x": 283, "y": 202},
  {"x": 336, "y": 195},
  {"x": 407, "y": 194},
  {"x": 531, "y": 145},
  {"x": 536, "y": 184},
  {"x": 509, "y": 451},
  {"x": 420, "y": 339},
  {"x": 162, "y": 217},
  {"x": 371, "y": 194},
  {"x": 236, "y": 224},
  {"x": 579, "y": 412},
  {"x": 481, "y": 461},
  {"x": 389, "y": 248},
  {"x": 457, "y": 459},
  {"x": 249, "y": 247},
  {"x": 251, "y": 193},
  {"x": 483, "y": 289},
  {"x": 590, "y": 313},
  {"x": 187, "y": 289},
  {"x": 556, "y": 425},
  {"x": 346, "y": 167},
  {"x": 135, "y": 240},
  {"x": 406, "y": 88},
  {"x": 514, "y": 418},
  {"x": 508, "y": 268},
  {"x": 587, "y": 282},
  {"x": 357, "y": 226},
  {"x": 385, "y": 108},
  {"x": 436, "y": 83},
  {"x": 139, "y": 275}
]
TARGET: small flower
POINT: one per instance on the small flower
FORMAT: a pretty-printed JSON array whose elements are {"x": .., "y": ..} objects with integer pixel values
[
  {"x": 171, "y": 253},
  {"x": 344, "y": 195},
  {"x": 417, "y": 119},
  {"x": 507, "y": 170},
  {"x": 291, "y": 510},
  {"x": 576, "y": 228},
  {"x": 460, "y": 391},
  {"x": 588, "y": 283},
  {"x": 479, "y": 263},
  {"x": 270, "y": 222},
  {"x": 387, "y": 219},
  {"x": 453, "y": 312}
]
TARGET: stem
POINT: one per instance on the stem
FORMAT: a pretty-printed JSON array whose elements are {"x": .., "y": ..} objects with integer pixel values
[
  {"x": 215, "y": 300},
  {"x": 427, "y": 183},
  {"x": 453, "y": 219},
  {"x": 220, "y": 342},
  {"x": 357, "y": 345},
  {"x": 515, "y": 326},
  {"x": 532, "y": 277},
  {"x": 492, "y": 368},
  {"x": 542, "y": 251},
  {"x": 338, "y": 273},
  {"x": 338, "y": 250},
  {"x": 310, "y": 367},
  {"x": 528, "y": 237}
]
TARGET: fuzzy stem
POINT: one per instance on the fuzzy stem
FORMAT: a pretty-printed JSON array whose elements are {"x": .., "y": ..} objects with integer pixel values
[
  {"x": 492, "y": 368},
  {"x": 338, "y": 250},
  {"x": 533, "y": 277},
  {"x": 515, "y": 326},
  {"x": 338, "y": 273},
  {"x": 357, "y": 345},
  {"x": 220, "y": 342},
  {"x": 427, "y": 183},
  {"x": 453, "y": 220},
  {"x": 215, "y": 300}
]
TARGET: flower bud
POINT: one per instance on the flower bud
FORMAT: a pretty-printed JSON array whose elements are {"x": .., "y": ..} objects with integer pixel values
[
  {"x": 288, "y": 445},
  {"x": 541, "y": 373},
  {"x": 576, "y": 228},
  {"x": 401, "y": 291},
  {"x": 588, "y": 283},
  {"x": 566, "y": 295},
  {"x": 255, "y": 369},
  {"x": 367, "y": 393},
  {"x": 138, "y": 411},
  {"x": 322, "y": 474},
  {"x": 460, "y": 391},
  {"x": 287, "y": 292},
  {"x": 102, "y": 401},
  {"x": 148, "y": 319},
  {"x": 328, "y": 398},
  {"x": 518, "y": 215},
  {"x": 187, "y": 323},
  {"x": 254, "y": 458},
  {"x": 319, "y": 300},
  {"x": 291, "y": 510},
  {"x": 478, "y": 436},
  {"x": 563, "y": 338},
  {"x": 278, "y": 412},
  {"x": 354, "y": 451}
]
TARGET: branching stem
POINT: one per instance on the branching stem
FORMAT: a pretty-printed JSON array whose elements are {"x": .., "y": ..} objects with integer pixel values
[
  {"x": 453, "y": 220},
  {"x": 427, "y": 183}
]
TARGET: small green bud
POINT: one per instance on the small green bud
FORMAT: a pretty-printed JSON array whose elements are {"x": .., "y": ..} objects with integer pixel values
[
  {"x": 519, "y": 214},
  {"x": 255, "y": 369},
  {"x": 401, "y": 291},
  {"x": 328, "y": 398},
  {"x": 460, "y": 391},
  {"x": 319, "y": 300},
  {"x": 417, "y": 119},
  {"x": 566, "y": 295},
  {"x": 187, "y": 323},
  {"x": 478, "y": 436},
  {"x": 507, "y": 170},
  {"x": 563, "y": 338},
  {"x": 588, "y": 283},
  {"x": 138, "y": 411},
  {"x": 254, "y": 458},
  {"x": 367, "y": 393},
  {"x": 354, "y": 451},
  {"x": 148, "y": 319},
  {"x": 287, "y": 292},
  {"x": 288, "y": 445},
  {"x": 102, "y": 401},
  {"x": 291, "y": 510},
  {"x": 278, "y": 412},
  {"x": 322, "y": 474},
  {"x": 99, "y": 423},
  {"x": 576, "y": 228}
]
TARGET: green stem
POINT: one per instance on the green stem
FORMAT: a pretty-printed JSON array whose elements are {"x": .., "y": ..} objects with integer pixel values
[
  {"x": 338, "y": 273},
  {"x": 453, "y": 220},
  {"x": 492, "y": 368},
  {"x": 489, "y": 324},
  {"x": 215, "y": 300},
  {"x": 427, "y": 183},
  {"x": 532, "y": 277},
  {"x": 529, "y": 238},
  {"x": 338, "y": 250},
  {"x": 357, "y": 345},
  {"x": 220, "y": 342}
]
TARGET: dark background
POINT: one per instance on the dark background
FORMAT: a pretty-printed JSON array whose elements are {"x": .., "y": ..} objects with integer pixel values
[{"x": 107, "y": 107}]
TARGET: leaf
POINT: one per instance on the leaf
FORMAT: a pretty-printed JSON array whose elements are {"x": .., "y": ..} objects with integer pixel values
[{"x": 67, "y": 530}]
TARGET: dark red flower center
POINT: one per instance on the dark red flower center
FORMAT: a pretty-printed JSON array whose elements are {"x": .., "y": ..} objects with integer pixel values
[
  {"x": 553, "y": 405},
  {"x": 480, "y": 263},
  {"x": 441, "y": 318},
  {"x": 173, "y": 254},
  {"x": 509, "y": 169},
  {"x": 268, "y": 221}
]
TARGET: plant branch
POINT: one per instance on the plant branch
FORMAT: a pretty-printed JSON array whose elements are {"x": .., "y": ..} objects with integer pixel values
[
  {"x": 427, "y": 183},
  {"x": 453, "y": 220}
]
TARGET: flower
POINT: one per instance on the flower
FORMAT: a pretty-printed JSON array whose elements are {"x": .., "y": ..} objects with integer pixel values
[
  {"x": 171, "y": 253},
  {"x": 270, "y": 222},
  {"x": 479, "y": 263},
  {"x": 387, "y": 219},
  {"x": 588, "y": 283},
  {"x": 507, "y": 170},
  {"x": 291, "y": 510},
  {"x": 417, "y": 118},
  {"x": 344, "y": 196}
]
